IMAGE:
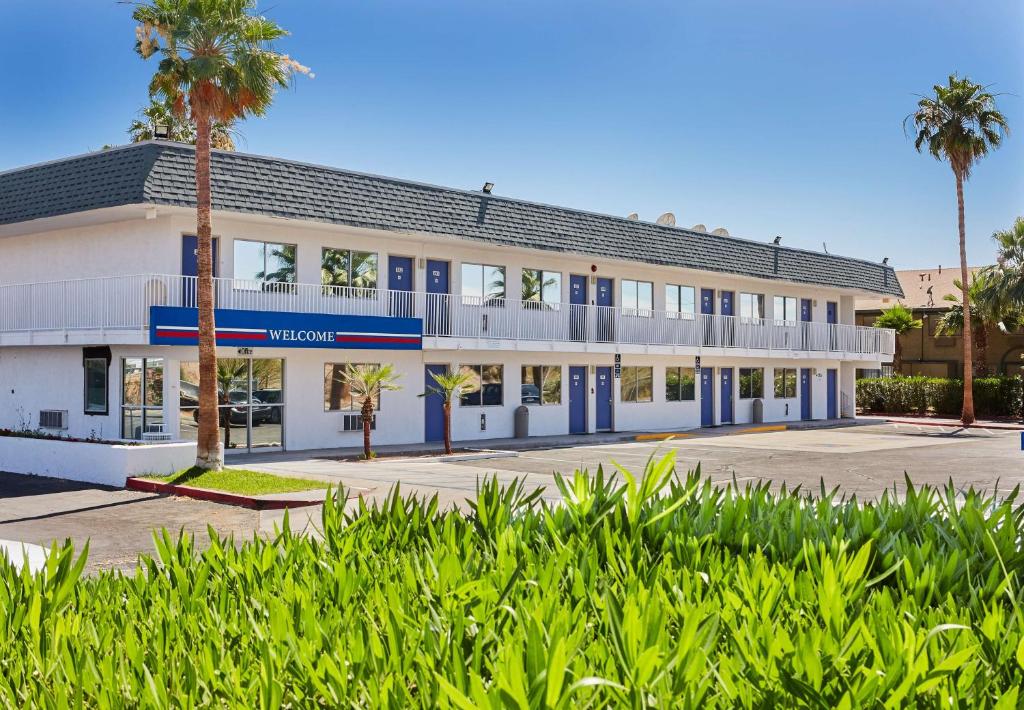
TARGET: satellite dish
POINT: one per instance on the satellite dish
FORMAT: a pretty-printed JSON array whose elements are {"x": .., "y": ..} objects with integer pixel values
[
  {"x": 721, "y": 232},
  {"x": 633, "y": 216},
  {"x": 700, "y": 228},
  {"x": 667, "y": 220}
]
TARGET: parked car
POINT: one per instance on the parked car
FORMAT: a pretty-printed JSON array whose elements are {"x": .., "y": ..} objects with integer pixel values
[
  {"x": 531, "y": 394},
  {"x": 274, "y": 397},
  {"x": 261, "y": 413}
]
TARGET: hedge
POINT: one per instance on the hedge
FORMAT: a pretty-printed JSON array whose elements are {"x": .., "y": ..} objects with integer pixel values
[{"x": 993, "y": 396}]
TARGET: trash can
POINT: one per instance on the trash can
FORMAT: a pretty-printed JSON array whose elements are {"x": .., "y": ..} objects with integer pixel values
[
  {"x": 758, "y": 414},
  {"x": 522, "y": 425}
]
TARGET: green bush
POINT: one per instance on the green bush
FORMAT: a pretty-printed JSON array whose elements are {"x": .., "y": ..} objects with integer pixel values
[
  {"x": 993, "y": 396},
  {"x": 658, "y": 592}
]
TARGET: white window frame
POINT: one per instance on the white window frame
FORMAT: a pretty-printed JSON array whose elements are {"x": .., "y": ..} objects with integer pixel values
[{"x": 629, "y": 290}]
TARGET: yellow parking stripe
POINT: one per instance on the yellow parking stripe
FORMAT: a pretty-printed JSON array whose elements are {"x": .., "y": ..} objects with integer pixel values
[
  {"x": 662, "y": 436},
  {"x": 759, "y": 429}
]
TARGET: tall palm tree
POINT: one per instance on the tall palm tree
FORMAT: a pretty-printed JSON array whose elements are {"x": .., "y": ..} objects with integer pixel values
[
  {"x": 448, "y": 386},
  {"x": 960, "y": 124},
  {"x": 987, "y": 310},
  {"x": 367, "y": 382},
  {"x": 216, "y": 65},
  {"x": 179, "y": 128},
  {"x": 900, "y": 319}
]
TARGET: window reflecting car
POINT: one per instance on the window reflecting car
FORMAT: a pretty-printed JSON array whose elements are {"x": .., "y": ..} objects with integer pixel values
[
  {"x": 271, "y": 397},
  {"x": 261, "y": 413},
  {"x": 531, "y": 394}
]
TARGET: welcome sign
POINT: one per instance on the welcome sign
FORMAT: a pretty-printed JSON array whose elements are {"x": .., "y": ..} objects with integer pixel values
[{"x": 171, "y": 325}]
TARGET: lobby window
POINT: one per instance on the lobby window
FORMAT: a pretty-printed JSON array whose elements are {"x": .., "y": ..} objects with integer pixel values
[
  {"x": 96, "y": 367},
  {"x": 751, "y": 382},
  {"x": 484, "y": 387},
  {"x": 260, "y": 266},
  {"x": 542, "y": 288},
  {"x": 680, "y": 384},
  {"x": 637, "y": 384},
  {"x": 483, "y": 285},
  {"x": 142, "y": 396},
  {"x": 353, "y": 272},
  {"x": 680, "y": 301},
  {"x": 785, "y": 309},
  {"x": 751, "y": 306},
  {"x": 637, "y": 298},
  {"x": 542, "y": 384},
  {"x": 338, "y": 395},
  {"x": 785, "y": 383}
]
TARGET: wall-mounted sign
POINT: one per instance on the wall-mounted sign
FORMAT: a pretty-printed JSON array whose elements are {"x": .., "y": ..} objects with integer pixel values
[
  {"x": 245, "y": 351},
  {"x": 696, "y": 365},
  {"x": 170, "y": 325}
]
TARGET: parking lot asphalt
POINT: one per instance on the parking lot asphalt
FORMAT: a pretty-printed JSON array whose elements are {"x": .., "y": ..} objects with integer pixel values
[{"x": 862, "y": 460}]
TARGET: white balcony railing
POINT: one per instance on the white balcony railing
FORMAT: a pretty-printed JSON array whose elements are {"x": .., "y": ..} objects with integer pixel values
[{"x": 122, "y": 302}]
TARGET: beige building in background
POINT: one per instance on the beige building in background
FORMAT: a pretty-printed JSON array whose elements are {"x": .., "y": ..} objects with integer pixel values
[{"x": 925, "y": 353}]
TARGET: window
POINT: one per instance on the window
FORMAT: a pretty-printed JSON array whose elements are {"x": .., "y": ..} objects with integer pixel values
[
  {"x": 542, "y": 384},
  {"x": 483, "y": 285},
  {"x": 680, "y": 301},
  {"x": 785, "y": 383},
  {"x": 96, "y": 365},
  {"x": 785, "y": 309},
  {"x": 142, "y": 396},
  {"x": 679, "y": 384},
  {"x": 542, "y": 288},
  {"x": 637, "y": 384},
  {"x": 258, "y": 264},
  {"x": 637, "y": 298},
  {"x": 484, "y": 387},
  {"x": 751, "y": 306},
  {"x": 355, "y": 270},
  {"x": 751, "y": 382},
  {"x": 338, "y": 395}
]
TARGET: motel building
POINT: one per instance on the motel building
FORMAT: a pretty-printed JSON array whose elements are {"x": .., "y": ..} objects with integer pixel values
[{"x": 592, "y": 322}]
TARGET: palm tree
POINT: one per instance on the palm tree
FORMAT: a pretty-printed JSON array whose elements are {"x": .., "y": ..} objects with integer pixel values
[
  {"x": 450, "y": 385},
  {"x": 901, "y": 319},
  {"x": 216, "y": 65},
  {"x": 1008, "y": 273},
  {"x": 367, "y": 382},
  {"x": 179, "y": 128},
  {"x": 960, "y": 125},
  {"x": 987, "y": 309}
]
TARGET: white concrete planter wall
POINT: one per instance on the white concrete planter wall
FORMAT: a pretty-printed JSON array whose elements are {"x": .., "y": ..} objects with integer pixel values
[{"x": 109, "y": 464}]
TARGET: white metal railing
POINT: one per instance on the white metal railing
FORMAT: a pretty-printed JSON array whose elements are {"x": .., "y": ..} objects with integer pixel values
[{"x": 121, "y": 302}]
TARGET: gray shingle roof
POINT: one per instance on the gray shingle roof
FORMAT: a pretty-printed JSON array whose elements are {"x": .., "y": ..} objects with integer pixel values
[{"x": 162, "y": 173}]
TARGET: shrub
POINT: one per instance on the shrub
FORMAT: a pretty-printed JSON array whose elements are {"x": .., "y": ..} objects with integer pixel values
[
  {"x": 993, "y": 396},
  {"x": 654, "y": 592}
]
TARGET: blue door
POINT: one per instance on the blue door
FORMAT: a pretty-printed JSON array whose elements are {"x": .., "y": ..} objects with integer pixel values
[
  {"x": 190, "y": 267},
  {"x": 603, "y": 399},
  {"x": 577, "y": 400},
  {"x": 605, "y": 315},
  {"x": 726, "y": 375},
  {"x": 805, "y": 318},
  {"x": 805, "y": 310},
  {"x": 832, "y": 382},
  {"x": 400, "y": 273},
  {"x": 831, "y": 319},
  {"x": 728, "y": 327},
  {"x": 437, "y": 304},
  {"x": 727, "y": 297},
  {"x": 707, "y": 396},
  {"x": 805, "y": 393},
  {"x": 433, "y": 405},
  {"x": 707, "y": 308},
  {"x": 577, "y": 307}
]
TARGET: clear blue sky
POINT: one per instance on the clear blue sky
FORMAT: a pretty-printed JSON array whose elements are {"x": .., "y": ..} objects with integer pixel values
[{"x": 766, "y": 118}]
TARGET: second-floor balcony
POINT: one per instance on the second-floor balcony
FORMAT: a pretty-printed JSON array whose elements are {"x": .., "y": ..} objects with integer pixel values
[{"x": 121, "y": 304}]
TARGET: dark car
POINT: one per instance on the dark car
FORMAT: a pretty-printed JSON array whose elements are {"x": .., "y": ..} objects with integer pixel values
[
  {"x": 261, "y": 413},
  {"x": 273, "y": 397}
]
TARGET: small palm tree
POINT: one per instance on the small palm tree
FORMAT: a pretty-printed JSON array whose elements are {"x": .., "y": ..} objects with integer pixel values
[
  {"x": 959, "y": 125},
  {"x": 1008, "y": 273},
  {"x": 217, "y": 64},
  {"x": 901, "y": 319},
  {"x": 367, "y": 382},
  {"x": 449, "y": 385},
  {"x": 988, "y": 310}
]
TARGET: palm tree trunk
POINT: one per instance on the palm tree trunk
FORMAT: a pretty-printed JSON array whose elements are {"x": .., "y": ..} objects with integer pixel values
[
  {"x": 209, "y": 454},
  {"x": 967, "y": 415},
  {"x": 897, "y": 357},
  {"x": 981, "y": 342},
  {"x": 448, "y": 426},
  {"x": 367, "y": 417}
]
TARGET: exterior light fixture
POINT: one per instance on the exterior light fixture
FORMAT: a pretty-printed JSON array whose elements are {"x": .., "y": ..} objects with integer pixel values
[
  {"x": 488, "y": 186},
  {"x": 161, "y": 131},
  {"x": 777, "y": 240}
]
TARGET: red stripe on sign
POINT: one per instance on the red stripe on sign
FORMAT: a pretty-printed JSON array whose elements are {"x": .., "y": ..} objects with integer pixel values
[
  {"x": 176, "y": 333},
  {"x": 242, "y": 336},
  {"x": 192, "y": 334},
  {"x": 376, "y": 339}
]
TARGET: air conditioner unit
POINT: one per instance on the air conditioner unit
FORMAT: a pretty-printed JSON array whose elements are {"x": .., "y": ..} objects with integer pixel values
[
  {"x": 354, "y": 422},
  {"x": 53, "y": 419}
]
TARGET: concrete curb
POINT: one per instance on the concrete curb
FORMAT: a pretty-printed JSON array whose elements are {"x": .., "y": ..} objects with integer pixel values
[
  {"x": 143, "y": 485},
  {"x": 1005, "y": 426}
]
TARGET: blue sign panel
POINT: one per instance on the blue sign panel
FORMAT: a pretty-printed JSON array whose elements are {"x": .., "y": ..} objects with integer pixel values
[{"x": 170, "y": 325}]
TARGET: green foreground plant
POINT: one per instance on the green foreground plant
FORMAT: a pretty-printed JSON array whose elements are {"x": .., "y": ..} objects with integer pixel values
[{"x": 650, "y": 592}]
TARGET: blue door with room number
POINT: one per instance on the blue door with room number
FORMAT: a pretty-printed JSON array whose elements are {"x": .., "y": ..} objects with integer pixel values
[
  {"x": 190, "y": 267},
  {"x": 832, "y": 384},
  {"x": 605, "y": 313},
  {"x": 728, "y": 335},
  {"x": 437, "y": 298},
  {"x": 400, "y": 286},
  {"x": 832, "y": 317},
  {"x": 577, "y": 307},
  {"x": 726, "y": 378},
  {"x": 707, "y": 308},
  {"x": 603, "y": 399},
  {"x": 805, "y": 318},
  {"x": 707, "y": 396},
  {"x": 577, "y": 400},
  {"x": 805, "y": 393},
  {"x": 433, "y": 405}
]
